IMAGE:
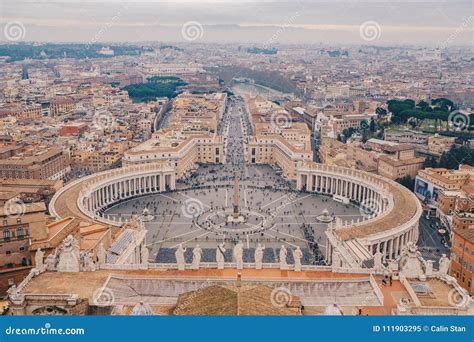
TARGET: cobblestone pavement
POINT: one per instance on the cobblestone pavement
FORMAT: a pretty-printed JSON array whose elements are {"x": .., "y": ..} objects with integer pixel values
[{"x": 261, "y": 188}]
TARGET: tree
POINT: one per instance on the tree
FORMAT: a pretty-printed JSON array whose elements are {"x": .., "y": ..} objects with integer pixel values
[
  {"x": 430, "y": 162},
  {"x": 372, "y": 125},
  {"x": 397, "y": 106},
  {"x": 157, "y": 86},
  {"x": 404, "y": 110},
  {"x": 407, "y": 182},
  {"x": 381, "y": 133},
  {"x": 423, "y": 105},
  {"x": 348, "y": 132},
  {"x": 443, "y": 103},
  {"x": 455, "y": 156}
]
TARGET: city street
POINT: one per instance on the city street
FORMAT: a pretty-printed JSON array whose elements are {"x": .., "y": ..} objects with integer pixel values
[
  {"x": 261, "y": 189},
  {"x": 430, "y": 241}
]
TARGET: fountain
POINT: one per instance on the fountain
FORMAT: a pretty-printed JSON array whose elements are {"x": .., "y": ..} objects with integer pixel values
[
  {"x": 146, "y": 216},
  {"x": 325, "y": 217}
]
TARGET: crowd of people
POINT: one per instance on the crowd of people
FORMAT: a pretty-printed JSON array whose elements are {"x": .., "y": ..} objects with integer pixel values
[
  {"x": 262, "y": 189},
  {"x": 270, "y": 255}
]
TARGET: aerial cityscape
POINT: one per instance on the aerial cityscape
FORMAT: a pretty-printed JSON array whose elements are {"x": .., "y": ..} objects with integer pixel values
[{"x": 224, "y": 158}]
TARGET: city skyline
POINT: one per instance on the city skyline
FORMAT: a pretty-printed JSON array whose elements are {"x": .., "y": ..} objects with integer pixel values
[
  {"x": 207, "y": 158},
  {"x": 427, "y": 23}
]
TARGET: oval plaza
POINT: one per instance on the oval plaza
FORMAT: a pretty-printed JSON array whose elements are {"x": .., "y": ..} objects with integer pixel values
[{"x": 232, "y": 196}]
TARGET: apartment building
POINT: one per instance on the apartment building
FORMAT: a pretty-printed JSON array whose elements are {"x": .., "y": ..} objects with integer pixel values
[
  {"x": 429, "y": 182},
  {"x": 20, "y": 222},
  {"x": 61, "y": 106},
  {"x": 462, "y": 250},
  {"x": 74, "y": 129},
  {"x": 406, "y": 137},
  {"x": 278, "y": 151},
  {"x": 21, "y": 112},
  {"x": 102, "y": 160},
  {"x": 36, "y": 162},
  {"x": 284, "y": 143},
  {"x": 340, "y": 123},
  {"x": 399, "y": 161},
  {"x": 438, "y": 144},
  {"x": 184, "y": 152}
]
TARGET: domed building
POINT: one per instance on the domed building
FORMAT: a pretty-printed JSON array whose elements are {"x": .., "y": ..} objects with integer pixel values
[{"x": 237, "y": 300}]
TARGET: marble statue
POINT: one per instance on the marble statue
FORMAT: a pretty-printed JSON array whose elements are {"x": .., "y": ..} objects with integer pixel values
[
  {"x": 145, "y": 254},
  {"x": 220, "y": 250},
  {"x": 393, "y": 265},
  {"x": 238, "y": 255},
  {"x": 429, "y": 268},
  {"x": 283, "y": 252},
  {"x": 12, "y": 291},
  {"x": 69, "y": 259},
  {"x": 297, "y": 255},
  {"x": 134, "y": 223},
  {"x": 378, "y": 260},
  {"x": 88, "y": 264},
  {"x": 259, "y": 256},
  {"x": 411, "y": 263},
  {"x": 444, "y": 264},
  {"x": 197, "y": 253},
  {"x": 101, "y": 254},
  {"x": 51, "y": 261},
  {"x": 39, "y": 258},
  {"x": 180, "y": 257}
]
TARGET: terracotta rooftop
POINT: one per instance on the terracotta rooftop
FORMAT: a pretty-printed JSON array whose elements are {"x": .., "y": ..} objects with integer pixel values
[
  {"x": 439, "y": 293},
  {"x": 26, "y": 208},
  {"x": 56, "y": 231},
  {"x": 233, "y": 300},
  {"x": 405, "y": 205},
  {"x": 66, "y": 204}
]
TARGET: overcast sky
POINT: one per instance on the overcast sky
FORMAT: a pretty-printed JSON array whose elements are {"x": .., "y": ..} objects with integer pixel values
[{"x": 268, "y": 22}]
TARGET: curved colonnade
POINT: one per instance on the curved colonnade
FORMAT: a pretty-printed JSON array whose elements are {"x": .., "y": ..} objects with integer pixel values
[
  {"x": 392, "y": 221},
  {"x": 88, "y": 197}
]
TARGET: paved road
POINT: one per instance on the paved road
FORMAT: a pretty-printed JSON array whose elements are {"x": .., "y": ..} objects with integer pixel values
[
  {"x": 429, "y": 241},
  {"x": 294, "y": 213}
]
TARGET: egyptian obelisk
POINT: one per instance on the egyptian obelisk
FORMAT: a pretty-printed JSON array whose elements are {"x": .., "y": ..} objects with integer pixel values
[{"x": 235, "y": 197}]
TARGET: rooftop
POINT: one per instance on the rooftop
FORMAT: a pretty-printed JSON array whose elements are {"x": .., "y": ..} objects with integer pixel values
[
  {"x": 230, "y": 298},
  {"x": 233, "y": 300}
]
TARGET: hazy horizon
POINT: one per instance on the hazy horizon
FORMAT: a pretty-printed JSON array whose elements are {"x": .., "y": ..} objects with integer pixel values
[{"x": 264, "y": 22}]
